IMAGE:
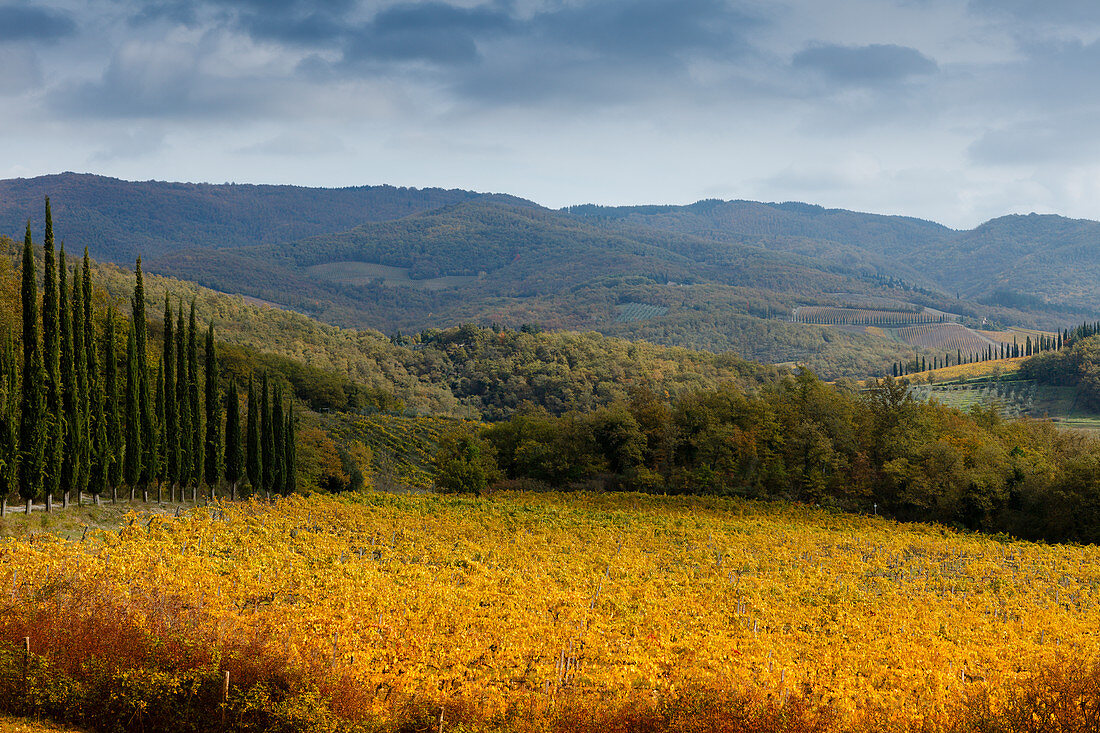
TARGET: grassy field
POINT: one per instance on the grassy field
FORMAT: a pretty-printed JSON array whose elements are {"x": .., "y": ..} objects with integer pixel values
[{"x": 546, "y": 612}]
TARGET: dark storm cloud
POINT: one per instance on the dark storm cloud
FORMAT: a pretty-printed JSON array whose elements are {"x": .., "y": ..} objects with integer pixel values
[
  {"x": 871, "y": 65},
  {"x": 25, "y": 23}
]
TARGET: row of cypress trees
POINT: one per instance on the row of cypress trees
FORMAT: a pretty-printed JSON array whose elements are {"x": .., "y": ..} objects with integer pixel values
[{"x": 68, "y": 422}]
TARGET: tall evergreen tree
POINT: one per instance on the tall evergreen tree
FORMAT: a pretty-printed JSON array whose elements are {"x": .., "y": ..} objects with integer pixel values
[
  {"x": 214, "y": 448},
  {"x": 51, "y": 361},
  {"x": 70, "y": 451},
  {"x": 193, "y": 393},
  {"x": 157, "y": 470},
  {"x": 98, "y": 463},
  {"x": 290, "y": 484},
  {"x": 134, "y": 455},
  {"x": 84, "y": 346},
  {"x": 145, "y": 386},
  {"x": 278, "y": 445},
  {"x": 267, "y": 439},
  {"x": 9, "y": 418},
  {"x": 234, "y": 453},
  {"x": 91, "y": 375},
  {"x": 253, "y": 462},
  {"x": 112, "y": 410},
  {"x": 170, "y": 433},
  {"x": 183, "y": 403},
  {"x": 32, "y": 399}
]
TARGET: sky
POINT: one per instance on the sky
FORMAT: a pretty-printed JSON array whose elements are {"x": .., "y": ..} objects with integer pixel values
[{"x": 952, "y": 110}]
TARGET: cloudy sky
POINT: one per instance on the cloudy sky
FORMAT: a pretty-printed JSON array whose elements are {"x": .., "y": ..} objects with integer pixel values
[{"x": 953, "y": 110}]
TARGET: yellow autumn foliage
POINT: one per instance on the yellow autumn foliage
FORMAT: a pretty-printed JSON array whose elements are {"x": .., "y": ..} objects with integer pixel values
[{"x": 519, "y": 600}]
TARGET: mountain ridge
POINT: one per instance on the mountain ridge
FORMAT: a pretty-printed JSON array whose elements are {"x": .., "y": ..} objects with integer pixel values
[{"x": 719, "y": 275}]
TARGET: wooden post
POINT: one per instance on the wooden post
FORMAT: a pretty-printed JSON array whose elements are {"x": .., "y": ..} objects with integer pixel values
[
  {"x": 95, "y": 499},
  {"x": 28, "y": 510},
  {"x": 145, "y": 495},
  {"x": 114, "y": 494},
  {"x": 3, "y": 506},
  {"x": 49, "y": 503},
  {"x": 26, "y": 666},
  {"x": 65, "y": 500},
  {"x": 194, "y": 494},
  {"x": 225, "y": 695}
]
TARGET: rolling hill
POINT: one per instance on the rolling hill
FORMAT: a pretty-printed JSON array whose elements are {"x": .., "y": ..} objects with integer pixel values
[{"x": 714, "y": 275}]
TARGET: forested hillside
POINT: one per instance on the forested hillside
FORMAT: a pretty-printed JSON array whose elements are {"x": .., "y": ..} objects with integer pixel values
[
  {"x": 119, "y": 220},
  {"x": 719, "y": 276}
]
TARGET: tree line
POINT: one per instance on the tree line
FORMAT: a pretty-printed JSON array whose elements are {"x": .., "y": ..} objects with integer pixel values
[
  {"x": 1004, "y": 350},
  {"x": 799, "y": 439},
  {"x": 76, "y": 416}
]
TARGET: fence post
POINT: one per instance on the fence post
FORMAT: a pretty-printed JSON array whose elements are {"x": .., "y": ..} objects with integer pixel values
[
  {"x": 26, "y": 669},
  {"x": 28, "y": 510},
  {"x": 49, "y": 503},
  {"x": 65, "y": 500},
  {"x": 3, "y": 506},
  {"x": 225, "y": 695}
]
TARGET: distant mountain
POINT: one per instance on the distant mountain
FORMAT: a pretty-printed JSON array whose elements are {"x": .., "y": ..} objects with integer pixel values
[
  {"x": 1032, "y": 260},
  {"x": 119, "y": 219},
  {"x": 718, "y": 275}
]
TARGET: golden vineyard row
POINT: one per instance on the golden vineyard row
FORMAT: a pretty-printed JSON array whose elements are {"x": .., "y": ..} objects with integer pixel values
[{"x": 520, "y": 602}]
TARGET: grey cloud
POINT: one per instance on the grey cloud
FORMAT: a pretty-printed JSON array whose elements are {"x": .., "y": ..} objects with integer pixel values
[
  {"x": 647, "y": 28},
  {"x": 871, "y": 65},
  {"x": 153, "y": 82},
  {"x": 1050, "y": 11},
  {"x": 1066, "y": 139},
  {"x": 433, "y": 31},
  {"x": 177, "y": 12},
  {"x": 22, "y": 70},
  {"x": 27, "y": 23},
  {"x": 312, "y": 29}
]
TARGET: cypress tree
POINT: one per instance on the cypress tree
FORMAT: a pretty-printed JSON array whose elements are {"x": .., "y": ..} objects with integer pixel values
[
  {"x": 90, "y": 375},
  {"x": 157, "y": 471},
  {"x": 145, "y": 416},
  {"x": 290, "y": 484},
  {"x": 133, "y": 455},
  {"x": 51, "y": 362},
  {"x": 213, "y": 450},
  {"x": 70, "y": 451},
  {"x": 81, "y": 413},
  {"x": 112, "y": 404},
  {"x": 278, "y": 443},
  {"x": 183, "y": 402},
  {"x": 197, "y": 436},
  {"x": 171, "y": 423},
  {"x": 234, "y": 455},
  {"x": 98, "y": 463},
  {"x": 32, "y": 399},
  {"x": 267, "y": 439},
  {"x": 9, "y": 418},
  {"x": 253, "y": 462}
]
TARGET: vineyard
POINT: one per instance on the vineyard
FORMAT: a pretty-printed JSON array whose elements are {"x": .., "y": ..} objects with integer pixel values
[
  {"x": 833, "y": 316},
  {"x": 630, "y": 312},
  {"x": 1015, "y": 398},
  {"x": 401, "y": 447},
  {"x": 539, "y": 613},
  {"x": 951, "y": 337}
]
